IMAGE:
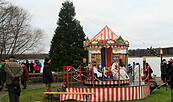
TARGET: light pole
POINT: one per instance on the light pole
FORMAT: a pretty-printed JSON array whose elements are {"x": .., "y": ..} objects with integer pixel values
[{"x": 161, "y": 53}]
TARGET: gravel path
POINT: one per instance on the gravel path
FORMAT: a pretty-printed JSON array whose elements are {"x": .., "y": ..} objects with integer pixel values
[{"x": 30, "y": 87}]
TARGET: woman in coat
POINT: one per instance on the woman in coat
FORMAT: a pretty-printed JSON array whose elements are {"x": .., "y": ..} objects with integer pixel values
[
  {"x": 25, "y": 76},
  {"x": 47, "y": 76}
]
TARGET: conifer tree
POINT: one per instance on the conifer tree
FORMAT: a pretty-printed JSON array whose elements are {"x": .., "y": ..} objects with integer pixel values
[{"x": 67, "y": 43}]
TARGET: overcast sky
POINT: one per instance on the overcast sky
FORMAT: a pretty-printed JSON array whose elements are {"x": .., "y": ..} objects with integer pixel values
[{"x": 144, "y": 23}]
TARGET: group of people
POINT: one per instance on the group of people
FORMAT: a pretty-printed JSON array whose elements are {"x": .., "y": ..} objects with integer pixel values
[
  {"x": 13, "y": 72},
  {"x": 33, "y": 67},
  {"x": 166, "y": 66},
  {"x": 167, "y": 73}
]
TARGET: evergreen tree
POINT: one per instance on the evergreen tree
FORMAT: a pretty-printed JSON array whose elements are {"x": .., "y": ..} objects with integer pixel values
[{"x": 67, "y": 43}]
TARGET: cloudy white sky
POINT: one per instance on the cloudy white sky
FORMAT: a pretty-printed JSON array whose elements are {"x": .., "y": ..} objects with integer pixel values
[{"x": 144, "y": 23}]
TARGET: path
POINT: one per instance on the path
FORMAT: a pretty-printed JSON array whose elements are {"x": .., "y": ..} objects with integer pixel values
[{"x": 31, "y": 87}]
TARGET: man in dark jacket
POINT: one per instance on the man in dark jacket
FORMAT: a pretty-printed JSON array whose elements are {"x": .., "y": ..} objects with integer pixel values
[
  {"x": 47, "y": 76},
  {"x": 2, "y": 74},
  {"x": 83, "y": 69},
  {"x": 163, "y": 71},
  {"x": 31, "y": 65},
  {"x": 13, "y": 73}
]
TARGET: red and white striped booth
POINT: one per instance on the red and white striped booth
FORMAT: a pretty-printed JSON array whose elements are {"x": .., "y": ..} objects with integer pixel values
[{"x": 109, "y": 94}]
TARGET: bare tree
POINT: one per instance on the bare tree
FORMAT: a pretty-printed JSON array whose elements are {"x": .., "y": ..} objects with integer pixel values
[{"x": 16, "y": 34}]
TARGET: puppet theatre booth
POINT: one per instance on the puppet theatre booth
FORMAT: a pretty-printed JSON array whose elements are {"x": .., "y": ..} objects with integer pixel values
[{"x": 109, "y": 80}]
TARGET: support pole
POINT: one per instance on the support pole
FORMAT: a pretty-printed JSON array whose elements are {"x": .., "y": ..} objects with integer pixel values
[
  {"x": 139, "y": 74},
  {"x": 133, "y": 73},
  {"x": 80, "y": 76},
  {"x": 67, "y": 78},
  {"x": 64, "y": 75},
  {"x": 118, "y": 75},
  {"x": 93, "y": 75},
  {"x": 148, "y": 75},
  {"x": 144, "y": 68},
  {"x": 71, "y": 77}
]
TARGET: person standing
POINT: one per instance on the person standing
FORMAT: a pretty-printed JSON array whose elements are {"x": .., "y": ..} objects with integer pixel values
[
  {"x": 31, "y": 65},
  {"x": 40, "y": 65},
  {"x": 13, "y": 73},
  {"x": 36, "y": 67},
  {"x": 27, "y": 65},
  {"x": 170, "y": 73},
  {"x": 163, "y": 71},
  {"x": 83, "y": 69},
  {"x": 150, "y": 71},
  {"x": 2, "y": 74},
  {"x": 47, "y": 76},
  {"x": 25, "y": 76}
]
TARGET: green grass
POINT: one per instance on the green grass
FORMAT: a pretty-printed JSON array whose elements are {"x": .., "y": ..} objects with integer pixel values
[{"x": 160, "y": 95}]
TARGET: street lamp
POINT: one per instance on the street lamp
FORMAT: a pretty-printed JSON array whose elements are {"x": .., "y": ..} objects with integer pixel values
[{"x": 161, "y": 53}]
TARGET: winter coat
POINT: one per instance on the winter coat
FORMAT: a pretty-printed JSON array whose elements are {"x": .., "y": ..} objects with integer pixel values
[
  {"x": 47, "y": 74},
  {"x": 36, "y": 66},
  {"x": 25, "y": 76},
  {"x": 3, "y": 73},
  {"x": 163, "y": 69},
  {"x": 170, "y": 80},
  {"x": 31, "y": 65},
  {"x": 27, "y": 65},
  {"x": 13, "y": 70},
  {"x": 39, "y": 65}
]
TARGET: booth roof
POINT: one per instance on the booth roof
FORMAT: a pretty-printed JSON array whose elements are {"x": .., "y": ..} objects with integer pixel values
[{"x": 105, "y": 34}]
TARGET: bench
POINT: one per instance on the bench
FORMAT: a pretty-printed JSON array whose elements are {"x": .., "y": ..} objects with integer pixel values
[{"x": 81, "y": 93}]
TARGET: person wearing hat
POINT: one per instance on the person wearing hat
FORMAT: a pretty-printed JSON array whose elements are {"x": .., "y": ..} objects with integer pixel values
[
  {"x": 163, "y": 71},
  {"x": 47, "y": 76},
  {"x": 13, "y": 73},
  {"x": 2, "y": 74}
]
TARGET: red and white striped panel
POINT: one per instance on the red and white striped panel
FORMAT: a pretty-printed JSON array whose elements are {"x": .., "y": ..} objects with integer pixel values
[
  {"x": 109, "y": 94},
  {"x": 105, "y": 34},
  {"x": 106, "y": 82}
]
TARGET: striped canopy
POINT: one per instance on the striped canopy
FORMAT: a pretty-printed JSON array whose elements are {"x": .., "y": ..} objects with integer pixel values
[{"x": 105, "y": 34}]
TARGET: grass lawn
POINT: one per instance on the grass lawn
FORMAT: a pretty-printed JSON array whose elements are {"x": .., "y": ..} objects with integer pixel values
[{"x": 160, "y": 95}]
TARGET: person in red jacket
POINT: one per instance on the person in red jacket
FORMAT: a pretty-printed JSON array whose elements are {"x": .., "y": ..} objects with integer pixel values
[
  {"x": 36, "y": 67},
  {"x": 25, "y": 76}
]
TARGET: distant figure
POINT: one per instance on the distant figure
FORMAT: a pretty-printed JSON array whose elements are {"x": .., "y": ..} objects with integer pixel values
[
  {"x": 27, "y": 65},
  {"x": 129, "y": 70},
  {"x": 169, "y": 67},
  {"x": 170, "y": 82},
  {"x": 25, "y": 76},
  {"x": 150, "y": 71},
  {"x": 40, "y": 65},
  {"x": 2, "y": 74},
  {"x": 163, "y": 71},
  {"x": 36, "y": 66},
  {"x": 31, "y": 65},
  {"x": 13, "y": 73},
  {"x": 47, "y": 76}
]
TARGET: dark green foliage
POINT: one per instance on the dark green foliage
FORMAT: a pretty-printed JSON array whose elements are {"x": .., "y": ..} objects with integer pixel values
[{"x": 67, "y": 43}]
